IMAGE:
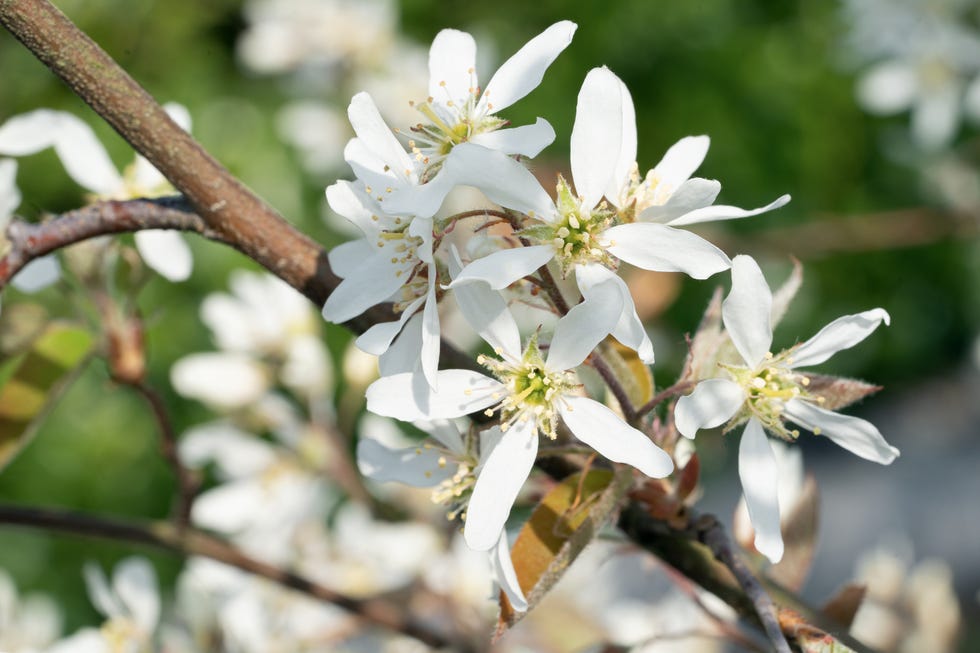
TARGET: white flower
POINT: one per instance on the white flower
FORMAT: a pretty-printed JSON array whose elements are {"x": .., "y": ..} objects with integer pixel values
[
  {"x": 284, "y": 35},
  {"x": 87, "y": 162},
  {"x": 458, "y": 110},
  {"x": 530, "y": 393},
  {"x": 926, "y": 61},
  {"x": 450, "y": 463},
  {"x": 39, "y": 273},
  {"x": 767, "y": 390},
  {"x": 27, "y": 623},
  {"x": 131, "y": 605},
  {"x": 394, "y": 261},
  {"x": 582, "y": 233},
  {"x": 266, "y": 494},
  {"x": 264, "y": 329}
]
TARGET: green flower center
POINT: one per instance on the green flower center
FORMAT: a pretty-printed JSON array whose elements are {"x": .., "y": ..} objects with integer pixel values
[
  {"x": 768, "y": 387},
  {"x": 532, "y": 391}
]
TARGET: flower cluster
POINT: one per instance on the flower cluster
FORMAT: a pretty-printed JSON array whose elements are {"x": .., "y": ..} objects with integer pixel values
[{"x": 529, "y": 244}]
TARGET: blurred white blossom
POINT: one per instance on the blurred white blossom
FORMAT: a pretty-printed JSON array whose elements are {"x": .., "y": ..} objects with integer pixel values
[{"x": 87, "y": 162}]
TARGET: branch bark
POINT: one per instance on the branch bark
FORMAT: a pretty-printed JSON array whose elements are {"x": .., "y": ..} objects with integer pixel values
[
  {"x": 224, "y": 204},
  {"x": 191, "y": 542}
]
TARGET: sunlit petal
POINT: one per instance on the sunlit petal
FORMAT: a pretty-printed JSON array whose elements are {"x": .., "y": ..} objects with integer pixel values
[{"x": 760, "y": 484}]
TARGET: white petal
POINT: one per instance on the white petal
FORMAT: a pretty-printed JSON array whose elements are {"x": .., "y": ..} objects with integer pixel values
[
  {"x": 681, "y": 160},
  {"x": 371, "y": 128},
  {"x": 759, "y": 475},
  {"x": 842, "y": 333},
  {"x": 345, "y": 257},
  {"x": 347, "y": 202},
  {"x": 445, "y": 432},
  {"x": 229, "y": 508},
  {"x": 419, "y": 201},
  {"x": 431, "y": 342},
  {"x": 629, "y": 330},
  {"x": 584, "y": 326},
  {"x": 225, "y": 380},
  {"x": 135, "y": 584},
  {"x": 403, "y": 354},
  {"x": 38, "y": 274},
  {"x": 9, "y": 194},
  {"x": 416, "y": 466},
  {"x": 504, "y": 267},
  {"x": 501, "y": 178},
  {"x": 460, "y": 392},
  {"x": 486, "y": 311},
  {"x": 377, "y": 339},
  {"x": 87, "y": 640},
  {"x": 606, "y": 432},
  {"x": 888, "y": 88},
  {"x": 236, "y": 453},
  {"x": 522, "y": 73},
  {"x": 372, "y": 282},
  {"x": 526, "y": 140},
  {"x": 597, "y": 135},
  {"x": 852, "y": 433},
  {"x": 503, "y": 569},
  {"x": 747, "y": 311},
  {"x": 713, "y": 402},
  {"x": 84, "y": 157},
  {"x": 99, "y": 593},
  {"x": 498, "y": 484},
  {"x": 166, "y": 252},
  {"x": 722, "y": 212},
  {"x": 627, "y": 149},
  {"x": 693, "y": 194},
  {"x": 653, "y": 246},
  {"x": 936, "y": 117},
  {"x": 452, "y": 64}
]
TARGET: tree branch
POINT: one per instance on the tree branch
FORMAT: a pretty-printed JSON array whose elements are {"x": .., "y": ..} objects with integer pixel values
[
  {"x": 29, "y": 241},
  {"x": 224, "y": 204},
  {"x": 191, "y": 542},
  {"x": 721, "y": 546},
  {"x": 186, "y": 481}
]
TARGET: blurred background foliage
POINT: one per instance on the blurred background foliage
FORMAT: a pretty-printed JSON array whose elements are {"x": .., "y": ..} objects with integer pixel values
[{"x": 767, "y": 80}]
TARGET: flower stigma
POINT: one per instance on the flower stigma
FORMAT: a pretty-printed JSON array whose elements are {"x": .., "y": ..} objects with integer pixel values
[
  {"x": 448, "y": 123},
  {"x": 532, "y": 390},
  {"x": 767, "y": 389},
  {"x": 575, "y": 234}
]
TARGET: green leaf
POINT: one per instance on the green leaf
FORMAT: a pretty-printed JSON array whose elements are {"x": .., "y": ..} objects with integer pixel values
[
  {"x": 561, "y": 526},
  {"x": 33, "y": 380}
]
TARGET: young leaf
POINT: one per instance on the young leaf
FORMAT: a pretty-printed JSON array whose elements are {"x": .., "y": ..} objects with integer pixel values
[
  {"x": 561, "y": 526},
  {"x": 32, "y": 381},
  {"x": 635, "y": 375}
]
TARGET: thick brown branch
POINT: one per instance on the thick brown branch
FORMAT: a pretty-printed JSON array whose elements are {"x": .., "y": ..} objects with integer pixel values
[
  {"x": 190, "y": 542},
  {"x": 224, "y": 204}
]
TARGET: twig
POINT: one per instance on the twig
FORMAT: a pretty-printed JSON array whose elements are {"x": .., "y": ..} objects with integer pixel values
[
  {"x": 30, "y": 241},
  {"x": 187, "y": 482},
  {"x": 672, "y": 391},
  {"x": 190, "y": 542},
  {"x": 714, "y": 536},
  {"x": 609, "y": 376}
]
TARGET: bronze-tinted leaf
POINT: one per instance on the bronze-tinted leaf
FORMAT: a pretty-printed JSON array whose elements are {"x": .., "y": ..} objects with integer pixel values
[
  {"x": 839, "y": 392},
  {"x": 32, "y": 381},
  {"x": 561, "y": 526},
  {"x": 843, "y": 606}
]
